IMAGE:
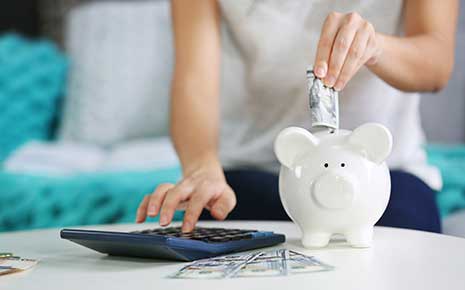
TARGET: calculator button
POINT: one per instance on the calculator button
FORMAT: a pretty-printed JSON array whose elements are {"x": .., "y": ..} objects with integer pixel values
[
  {"x": 244, "y": 236},
  {"x": 228, "y": 236},
  {"x": 248, "y": 231},
  {"x": 185, "y": 235},
  {"x": 235, "y": 237},
  {"x": 198, "y": 236},
  {"x": 234, "y": 232},
  {"x": 214, "y": 235}
]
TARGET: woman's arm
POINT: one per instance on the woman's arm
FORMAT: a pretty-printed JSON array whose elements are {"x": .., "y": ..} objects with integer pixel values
[
  {"x": 194, "y": 119},
  {"x": 195, "y": 85},
  {"x": 422, "y": 60}
]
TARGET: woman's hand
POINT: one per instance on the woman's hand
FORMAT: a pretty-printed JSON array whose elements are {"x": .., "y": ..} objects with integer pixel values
[
  {"x": 347, "y": 42},
  {"x": 204, "y": 186}
]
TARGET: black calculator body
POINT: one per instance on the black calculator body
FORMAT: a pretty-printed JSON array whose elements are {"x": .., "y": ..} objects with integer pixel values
[{"x": 170, "y": 243}]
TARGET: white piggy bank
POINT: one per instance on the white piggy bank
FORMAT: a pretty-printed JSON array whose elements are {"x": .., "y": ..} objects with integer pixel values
[{"x": 335, "y": 181}]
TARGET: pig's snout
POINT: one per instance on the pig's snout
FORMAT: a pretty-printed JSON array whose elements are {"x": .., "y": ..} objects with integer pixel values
[{"x": 333, "y": 191}]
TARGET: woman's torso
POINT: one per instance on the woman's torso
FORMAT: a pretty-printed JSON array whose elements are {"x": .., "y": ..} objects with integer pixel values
[{"x": 267, "y": 46}]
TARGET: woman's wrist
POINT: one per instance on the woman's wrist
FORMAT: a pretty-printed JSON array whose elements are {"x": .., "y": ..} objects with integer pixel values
[
  {"x": 378, "y": 52},
  {"x": 208, "y": 161}
]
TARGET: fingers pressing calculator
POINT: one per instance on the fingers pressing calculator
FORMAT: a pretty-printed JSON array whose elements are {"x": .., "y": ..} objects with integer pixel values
[{"x": 171, "y": 243}]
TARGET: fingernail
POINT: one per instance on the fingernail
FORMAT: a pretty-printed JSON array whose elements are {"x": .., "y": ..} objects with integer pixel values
[
  {"x": 329, "y": 81},
  {"x": 152, "y": 209},
  {"x": 338, "y": 86},
  {"x": 219, "y": 212},
  {"x": 320, "y": 71},
  {"x": 163, "y": 220}
]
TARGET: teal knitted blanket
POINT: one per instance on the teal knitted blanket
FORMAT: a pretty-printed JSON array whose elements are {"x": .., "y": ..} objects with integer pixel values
[
  {"x": 32, "y": 79},
  {"x": 30, "y": 202},
  {"x": 450, "y": 159}
]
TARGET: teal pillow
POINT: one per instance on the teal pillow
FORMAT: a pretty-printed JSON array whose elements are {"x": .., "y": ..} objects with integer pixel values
[
  {"x": 31, "y": 202},
  {"x": 32, "y": 78}
]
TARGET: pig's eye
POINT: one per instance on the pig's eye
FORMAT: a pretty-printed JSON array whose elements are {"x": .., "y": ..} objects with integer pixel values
[
  {"x": 326, "y": 165},
  {"x": 343, "y": 164}
]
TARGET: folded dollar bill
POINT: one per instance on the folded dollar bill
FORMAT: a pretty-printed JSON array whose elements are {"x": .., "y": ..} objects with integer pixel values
[{"x": 324, "y": 102}]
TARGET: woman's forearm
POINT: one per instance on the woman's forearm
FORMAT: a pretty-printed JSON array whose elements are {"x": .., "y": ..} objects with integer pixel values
[
  {"x": 416, "y": 63},
  {"x": 194, "y": 120},
  {"x": 195, "y": 86},
  {"x": 194, "y": 123}
]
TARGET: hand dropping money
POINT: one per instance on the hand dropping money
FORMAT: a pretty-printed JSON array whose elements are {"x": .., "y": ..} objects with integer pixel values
[{"x": 324, "y": 102}]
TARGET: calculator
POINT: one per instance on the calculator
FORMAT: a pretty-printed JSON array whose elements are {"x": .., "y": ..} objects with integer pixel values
[{"x": 171, "y": 243}]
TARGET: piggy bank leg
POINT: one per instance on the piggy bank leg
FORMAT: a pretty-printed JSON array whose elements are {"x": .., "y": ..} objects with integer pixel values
[
  {"x": 315, "y": 239},
  {"x": 361, "y": 237}
]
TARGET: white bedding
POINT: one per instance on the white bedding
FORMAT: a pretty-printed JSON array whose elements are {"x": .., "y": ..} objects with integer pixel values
[{"x": 64, "y": 158}]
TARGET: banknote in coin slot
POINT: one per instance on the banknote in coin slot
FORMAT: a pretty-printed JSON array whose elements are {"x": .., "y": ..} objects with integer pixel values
[{"x": 323, "y": 101}]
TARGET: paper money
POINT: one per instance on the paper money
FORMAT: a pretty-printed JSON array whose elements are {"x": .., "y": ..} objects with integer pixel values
[
  {"x": 12, "y": 264},
  {"x": 324, "y": 102},
  {"x": 5, "y": 255},
  {"x": 215, "y": 268},
  {"x": 280, "y": 262},
  {"x": 267, "y": 264},
  {"x": 300, "y": 263}
]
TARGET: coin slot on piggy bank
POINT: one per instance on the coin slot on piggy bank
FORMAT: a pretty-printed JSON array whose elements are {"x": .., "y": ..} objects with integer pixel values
[{"x": 335, "y": 181}]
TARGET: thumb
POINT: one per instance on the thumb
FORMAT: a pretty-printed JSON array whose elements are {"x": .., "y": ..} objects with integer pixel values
[{"x": 223, "y": 205}]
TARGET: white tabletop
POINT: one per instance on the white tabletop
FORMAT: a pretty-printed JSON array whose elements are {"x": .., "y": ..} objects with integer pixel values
[{"x": 399, "y": 259}]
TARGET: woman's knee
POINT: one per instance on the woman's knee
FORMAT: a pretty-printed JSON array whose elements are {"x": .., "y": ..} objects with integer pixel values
[
  {"x": 412, "y": 204},
  {"x": 257, "y": 195}
]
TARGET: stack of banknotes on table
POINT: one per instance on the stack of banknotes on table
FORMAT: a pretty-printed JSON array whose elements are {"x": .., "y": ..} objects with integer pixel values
[
  {"x": 280, "y": 262},
  {"x": 12, "y": 264}
]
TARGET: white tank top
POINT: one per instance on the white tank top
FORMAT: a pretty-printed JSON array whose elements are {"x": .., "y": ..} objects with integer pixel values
[{"x": 267, "y": 46}]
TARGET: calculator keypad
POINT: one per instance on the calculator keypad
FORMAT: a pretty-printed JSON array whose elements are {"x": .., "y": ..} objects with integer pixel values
[{"x": 209, "y": 235}]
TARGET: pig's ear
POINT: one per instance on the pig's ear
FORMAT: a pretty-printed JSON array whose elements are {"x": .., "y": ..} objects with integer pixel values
[
  {"x": 291, "y": 142},
  {"x": 374, "y": 139}
]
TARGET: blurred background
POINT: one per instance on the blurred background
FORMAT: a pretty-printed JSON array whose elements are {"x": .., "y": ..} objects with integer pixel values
[{"x": 70, "y": 71}]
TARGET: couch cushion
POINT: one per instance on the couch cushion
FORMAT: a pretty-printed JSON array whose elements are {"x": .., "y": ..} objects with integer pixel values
[{"x": 121, "y": 54}]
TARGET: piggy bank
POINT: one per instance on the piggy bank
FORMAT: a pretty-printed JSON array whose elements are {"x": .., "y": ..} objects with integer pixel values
[{"x": 334, "y": 181}]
